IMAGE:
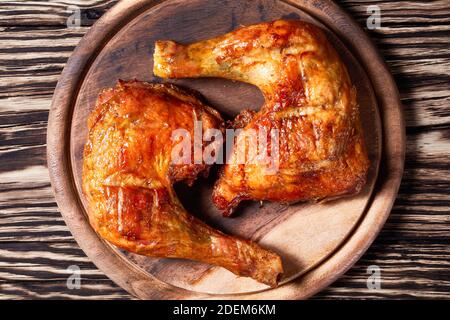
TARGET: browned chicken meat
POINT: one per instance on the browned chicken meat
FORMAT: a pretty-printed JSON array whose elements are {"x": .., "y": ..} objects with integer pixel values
[
  {"x": 128, "y": 175},
  {"x": 310, "y": 107}
]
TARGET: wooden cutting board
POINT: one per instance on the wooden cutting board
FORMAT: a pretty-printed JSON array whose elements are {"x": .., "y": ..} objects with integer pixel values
[{"x": 317, "y": 241}]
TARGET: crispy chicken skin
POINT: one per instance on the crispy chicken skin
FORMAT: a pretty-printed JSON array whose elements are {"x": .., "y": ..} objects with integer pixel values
[
  {"x": 309, "y": 99},
  {"x": 128, "y": 176}
]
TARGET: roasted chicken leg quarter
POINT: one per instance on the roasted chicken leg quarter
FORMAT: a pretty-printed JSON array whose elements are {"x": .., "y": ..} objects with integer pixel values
[
  {"x": 310, "y": 105},
  {"x": 128, "y": 175}
]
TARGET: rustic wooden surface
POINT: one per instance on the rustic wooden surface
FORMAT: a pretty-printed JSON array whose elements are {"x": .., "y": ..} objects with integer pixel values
[
  {"x": 36, "y": 248},
  {"x": 318, "y": 231}
]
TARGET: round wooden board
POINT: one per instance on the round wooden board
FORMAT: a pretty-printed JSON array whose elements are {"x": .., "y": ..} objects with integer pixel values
[{"x": 317, "y": 241}]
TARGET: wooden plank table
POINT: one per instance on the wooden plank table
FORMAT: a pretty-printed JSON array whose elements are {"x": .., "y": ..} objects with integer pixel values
[{"x": 36, "y": 248}]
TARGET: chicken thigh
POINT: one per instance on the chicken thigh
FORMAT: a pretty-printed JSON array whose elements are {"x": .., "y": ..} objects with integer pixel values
[
  {"x": 310, "y": 111},
  {"x": 128, "y": 176}
]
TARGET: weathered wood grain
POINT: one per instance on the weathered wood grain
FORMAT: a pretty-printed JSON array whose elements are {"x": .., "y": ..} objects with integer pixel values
[
  {"x": 412, "y": 250},
  {"x": 50, "y": 13},
  {"x": 57, "y": 289}
]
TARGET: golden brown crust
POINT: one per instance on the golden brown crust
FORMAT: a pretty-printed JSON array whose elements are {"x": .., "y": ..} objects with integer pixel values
[
  {"x": 309, "y": 99},
  {"x": 128, "y": 177}
]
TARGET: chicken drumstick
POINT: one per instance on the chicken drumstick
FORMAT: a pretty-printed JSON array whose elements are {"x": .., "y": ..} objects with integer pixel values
[
  {"x": 128, "y": 176},
  {"x": 310, "y": 104}
]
